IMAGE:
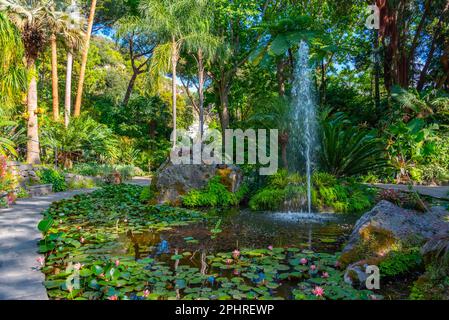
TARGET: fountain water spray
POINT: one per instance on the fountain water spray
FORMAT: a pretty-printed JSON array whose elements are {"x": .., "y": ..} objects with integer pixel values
[{"x": 304, "y": 113}]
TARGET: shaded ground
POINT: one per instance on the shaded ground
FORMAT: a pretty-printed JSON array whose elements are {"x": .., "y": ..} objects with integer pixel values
[
  {"x": 437, "y": 192},
  {"x": 20, "y": 278}
]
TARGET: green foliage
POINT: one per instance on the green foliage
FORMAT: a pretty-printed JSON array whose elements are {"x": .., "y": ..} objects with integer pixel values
[
  {"x": 328, "y": 193},
  {"x": 215, "y": 194},
  {"x": 401, "y": 262},
  {"x": 84, "y": 138},
  {"x": 347, "y": 150},
  {"x": 267, "y": 199},
  {"x": 147, "y": 195},
  {"x": 53, "y": 177}
]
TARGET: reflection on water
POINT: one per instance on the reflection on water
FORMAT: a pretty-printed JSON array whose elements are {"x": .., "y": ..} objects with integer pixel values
[{"x": 245, "y": 229}]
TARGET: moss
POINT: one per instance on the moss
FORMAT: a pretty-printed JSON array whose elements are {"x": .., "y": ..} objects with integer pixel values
[
  {"x": 374, "y": 243},
  {"x": 225, "y": 177}
]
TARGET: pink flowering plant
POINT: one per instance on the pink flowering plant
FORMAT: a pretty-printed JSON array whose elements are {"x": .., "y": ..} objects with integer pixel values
[{"x": 7, "y": 184}]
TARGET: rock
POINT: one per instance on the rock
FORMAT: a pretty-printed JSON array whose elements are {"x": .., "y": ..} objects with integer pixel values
[
  {"x": 174, "y": 181},
  {"x": 388, "y": 227}
]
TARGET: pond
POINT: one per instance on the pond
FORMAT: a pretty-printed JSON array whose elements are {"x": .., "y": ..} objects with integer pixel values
[
  {"x": 237, "y": 228},
  {"x": 124, "y": 249}
]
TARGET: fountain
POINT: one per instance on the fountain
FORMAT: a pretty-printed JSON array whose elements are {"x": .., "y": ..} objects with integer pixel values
[{"x": 304, "y": 126}]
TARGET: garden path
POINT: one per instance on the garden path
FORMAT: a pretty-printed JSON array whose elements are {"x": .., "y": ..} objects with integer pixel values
[
  {"x": 20, "y": 277},
  {"x": 438, "y": 192}
]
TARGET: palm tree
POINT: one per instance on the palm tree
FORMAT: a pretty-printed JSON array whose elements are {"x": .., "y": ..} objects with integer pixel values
[
  {"x": 173, "y": 21},
  {"x": 72, "y": 36},
  {"x": 12, "y": 73},
  {"x": 34, "y": 21},
  {"x": 203, "y": 45},
  {"x": 54, "y": 76},
  {"x": 90, "y": 23}
]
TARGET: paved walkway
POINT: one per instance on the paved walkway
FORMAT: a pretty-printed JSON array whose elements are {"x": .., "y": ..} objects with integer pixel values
[
  {"x": 431, "y": 191},
  {"x": 19, "y": 277},
  {"x": 140, "y": 181}
]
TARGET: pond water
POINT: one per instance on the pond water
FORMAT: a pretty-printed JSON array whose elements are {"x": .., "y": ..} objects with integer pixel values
[{"x": 244, "y": 229}]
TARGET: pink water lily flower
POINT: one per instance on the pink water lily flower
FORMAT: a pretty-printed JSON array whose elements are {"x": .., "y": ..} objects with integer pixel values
[
  {"x": 146, "y": 293},
  {"x": 270, "y": 248},
  {"x": 79, "y": 228},
  {"x": 337, "y": 264},
  {"x": 229, "y": 261},
  {"x": 113, "y": 298},
  {"x": 82, "y": 240},
  {"x": 41, "y": 261},
  {"x": 303, "y": 261},
  {"x": 236, "y": 254},
  {"x": 325, "y": 275},
  {"x": 117, "y": 263},
  {"x": 236, "y": 272},
  {"x": 313, "y": 267},
  {"x": 318, "y": 291}
]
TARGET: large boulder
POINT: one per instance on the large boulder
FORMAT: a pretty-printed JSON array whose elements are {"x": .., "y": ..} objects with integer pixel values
[
  {"x": 386, "y": 228},
  {"x": 173, "y": 181}
]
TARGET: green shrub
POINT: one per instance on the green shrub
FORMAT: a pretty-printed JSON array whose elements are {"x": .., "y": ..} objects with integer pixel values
[
  {"x": 347, "y": 150},
  {"x": 22, "y": 193},
  {"x": 267, "y": 199},
  {"x": 85, "y": 183},
  {"x": 215, "y": 194},
  {"x": 53, "y": 177},
  {"x": 328, "y": 193},
  {"x": 401, "y": 262},
  {"x": 147, "y": 195}
]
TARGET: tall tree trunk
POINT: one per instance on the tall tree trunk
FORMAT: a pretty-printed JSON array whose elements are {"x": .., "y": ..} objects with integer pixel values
[
  {"x": 129, "y": 91},
  {"x": 54, "y": 78},
  {"x": 68, "y": 89},
  {"x": 33, "y": 151},
  {"x": 283, "y": 141},
  {"x": 79, "y": 95},
  {"x": 174, "y": 62},
  {"x": 201, "y": 89},
  {"x": 224, "y": 108},
  {"x": 280, "y": 75},
  {"x": 376, "y": 72}
]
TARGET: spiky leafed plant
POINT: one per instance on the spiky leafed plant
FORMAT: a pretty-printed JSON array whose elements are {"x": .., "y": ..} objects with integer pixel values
[
  {"x": 173, "y": 21},
  {"x": 12, "y": 72},
  {"x": 83, "y": 139},
  {"x": 348, "y": 150},
  {"x": 35, "y": 21},
  {"x": 8, "y": 145},
  {"x": 421, "y": 104}
]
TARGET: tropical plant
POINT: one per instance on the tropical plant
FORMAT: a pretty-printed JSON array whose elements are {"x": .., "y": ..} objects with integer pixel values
[
  {"x": 12, "y": 72},
  {"x": 173, "y": 21},
  {"x": 7, "y": 146},
  {"x": 53, "y": 177},
  {"x": 84, "y": 139},
  {"x": 348, "y": 150},
  {"x": 35, "y": 22}
]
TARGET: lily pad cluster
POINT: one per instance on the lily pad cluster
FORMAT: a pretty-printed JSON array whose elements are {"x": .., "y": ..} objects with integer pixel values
[{"x": 86, "y": 259}]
